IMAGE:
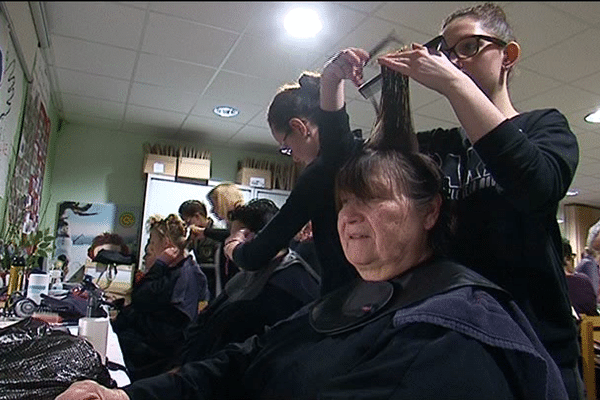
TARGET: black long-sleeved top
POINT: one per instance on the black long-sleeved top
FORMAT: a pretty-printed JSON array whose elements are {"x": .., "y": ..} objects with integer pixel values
[
  {"x": 311, "y": 199},
  {"x": 505, "y": 190}
]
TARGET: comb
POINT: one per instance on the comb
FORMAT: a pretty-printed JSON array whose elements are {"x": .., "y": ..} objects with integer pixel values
[{"x": 373, "y": 85}]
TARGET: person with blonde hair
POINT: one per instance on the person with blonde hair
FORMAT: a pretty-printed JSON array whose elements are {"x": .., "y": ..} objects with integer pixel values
[
  {"x": 223, "y": 198},
  {"x": 163, "y": 302}
]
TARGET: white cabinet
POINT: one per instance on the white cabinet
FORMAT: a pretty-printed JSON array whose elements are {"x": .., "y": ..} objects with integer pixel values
[{"x": 164, "y": 196}]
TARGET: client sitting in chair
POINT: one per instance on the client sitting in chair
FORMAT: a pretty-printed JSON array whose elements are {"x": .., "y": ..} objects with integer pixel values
[
  {"x": 414, "y": 325},
  {"x": 163, "y": 302},
  {"x": 252, "y": 300}
]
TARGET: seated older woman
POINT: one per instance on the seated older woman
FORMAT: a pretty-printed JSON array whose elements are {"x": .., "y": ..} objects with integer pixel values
[{"x": 414, "y": 326}]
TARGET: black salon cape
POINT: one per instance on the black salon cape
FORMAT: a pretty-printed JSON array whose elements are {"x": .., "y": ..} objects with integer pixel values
[
  {"x": 250, "y": 301},
  {"x": 461, "y": 344}
]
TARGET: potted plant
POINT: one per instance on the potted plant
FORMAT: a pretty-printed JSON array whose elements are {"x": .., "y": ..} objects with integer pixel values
[{"x": 33, "y": 247}]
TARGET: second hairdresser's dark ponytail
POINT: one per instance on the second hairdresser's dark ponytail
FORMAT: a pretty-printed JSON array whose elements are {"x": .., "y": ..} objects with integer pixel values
[{"x": 300, "y": 99}]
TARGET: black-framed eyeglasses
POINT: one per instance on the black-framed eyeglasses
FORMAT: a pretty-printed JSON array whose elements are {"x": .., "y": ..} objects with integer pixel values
[
  {"x": 285, "y": 150},
  {"x": 465, "y": 48}
]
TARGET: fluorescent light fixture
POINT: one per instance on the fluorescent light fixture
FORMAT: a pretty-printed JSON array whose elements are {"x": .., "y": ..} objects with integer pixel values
[
  {"x": 302, "y": 23},
  {"x": 593, "y": 118},
  {"x": 572, "y": 192},
  {"x": 226, "y": 111}
]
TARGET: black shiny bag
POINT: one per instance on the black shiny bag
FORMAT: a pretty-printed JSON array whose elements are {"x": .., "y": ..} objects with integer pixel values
[{"x": 39, "y": 362}]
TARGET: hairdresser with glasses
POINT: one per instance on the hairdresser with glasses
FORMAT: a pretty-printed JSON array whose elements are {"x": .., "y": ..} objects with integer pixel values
[{"x": 506, "y": 171}]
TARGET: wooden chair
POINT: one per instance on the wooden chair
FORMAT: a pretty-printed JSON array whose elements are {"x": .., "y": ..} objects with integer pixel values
[{"x": 587, "y": 326}]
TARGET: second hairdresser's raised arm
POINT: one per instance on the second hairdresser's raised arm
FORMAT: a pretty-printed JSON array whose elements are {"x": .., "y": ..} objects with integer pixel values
[
  {"x": 311, "y": 198},
  {"x": 346, "y": 64}
]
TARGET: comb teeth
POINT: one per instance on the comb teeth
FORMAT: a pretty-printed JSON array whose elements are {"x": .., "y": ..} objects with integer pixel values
[{"x": 373, "y": 85}]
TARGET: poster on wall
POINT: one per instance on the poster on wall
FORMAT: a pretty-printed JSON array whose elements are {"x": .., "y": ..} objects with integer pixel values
[
  {"x": 25, "y": 188},
  {"x": 79, "y": 223},
  {"x": 11, "y": 97}
]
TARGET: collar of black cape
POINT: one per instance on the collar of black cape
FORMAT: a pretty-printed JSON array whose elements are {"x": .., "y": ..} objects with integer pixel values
[{"x": 361, "y": 302}]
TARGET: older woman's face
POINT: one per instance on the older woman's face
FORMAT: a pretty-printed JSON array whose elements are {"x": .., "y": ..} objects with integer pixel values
[{"x": 382, "y": 238}]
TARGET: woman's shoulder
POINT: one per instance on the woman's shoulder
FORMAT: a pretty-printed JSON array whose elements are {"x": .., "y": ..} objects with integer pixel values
[{"x": 542, "y": 116}]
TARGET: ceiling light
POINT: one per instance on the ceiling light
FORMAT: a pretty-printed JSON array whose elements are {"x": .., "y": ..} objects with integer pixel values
[
  {"x": 226, "y": 111},
  {"x": 302, "y": 23},
  {"x": 572, "y": 192},
  {"x": 593, "y": 118}
]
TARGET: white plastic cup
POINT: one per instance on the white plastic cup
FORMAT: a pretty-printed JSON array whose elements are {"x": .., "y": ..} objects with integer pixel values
[
  {"x": 37, "y": 284},
  {"x": 95, "y": 331}
]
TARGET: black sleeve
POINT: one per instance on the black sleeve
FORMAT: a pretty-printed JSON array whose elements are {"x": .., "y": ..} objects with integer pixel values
[
  {"x": 532, "y": 157},
  {"x": 304, "y": 200},
  {"x": 218, "y": 234},
  {"x": 208, "y": 379}
]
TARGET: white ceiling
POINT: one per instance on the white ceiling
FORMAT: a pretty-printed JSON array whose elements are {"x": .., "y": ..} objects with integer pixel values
[{"x": 161, "y": 67}]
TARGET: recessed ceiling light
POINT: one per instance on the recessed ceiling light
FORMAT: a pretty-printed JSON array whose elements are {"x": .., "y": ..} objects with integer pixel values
[
  {"x": 593, "y": 118},
  {"x": 572, "y": 192},
  {"x": 302, "y": 23},
  {"x": 226, "y": 111}
]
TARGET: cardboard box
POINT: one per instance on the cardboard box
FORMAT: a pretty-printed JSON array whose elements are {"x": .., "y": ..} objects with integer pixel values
[
  {"x": 196, "y": 168},
  {"x": 260, "y": 178},
  {"x": 156, "y": 164}
]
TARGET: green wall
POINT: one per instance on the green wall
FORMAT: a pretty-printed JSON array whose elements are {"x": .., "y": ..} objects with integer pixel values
[{"x": 91, "y": 165}]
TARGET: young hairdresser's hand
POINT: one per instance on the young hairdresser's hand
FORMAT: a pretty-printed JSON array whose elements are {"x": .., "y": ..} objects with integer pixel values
[
  {"x": 346, "y": 64},
  {"x": 241, "y": 236},
  {"x": 428, "y": 67},
  {"x": 196, "y": 232},
  {"x": 90, "y": 390}
]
